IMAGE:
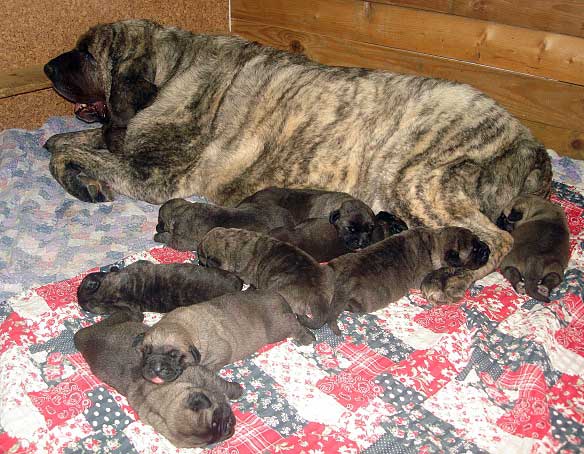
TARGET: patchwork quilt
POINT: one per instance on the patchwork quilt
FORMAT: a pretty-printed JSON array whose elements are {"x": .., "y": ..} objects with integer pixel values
[{"x": 495, "y": 373}]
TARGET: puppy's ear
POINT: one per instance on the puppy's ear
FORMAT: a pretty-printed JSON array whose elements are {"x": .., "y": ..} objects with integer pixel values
[
  {"x": 334, "y": 216},
  {"x": 131, "y": 90},
  {"x": 452, "y": 258},
  {"x": 198, "y": 401},
  {"x": 515, "y": 215},
  {"x": 195, "y": 354},
  {"x": 138, "y": 340}
]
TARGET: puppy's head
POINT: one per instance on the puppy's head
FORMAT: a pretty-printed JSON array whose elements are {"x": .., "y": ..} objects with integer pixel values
[
  {"x": 167, "y": 213},
  {"x": 97, "y": 292},
  {"x": 386, "y": 225},
  {"x": 522, "y": 209},
  {"x": 109, "y": 75},
  {"x": 196, "y": 409},
  {"x": 166, "y": 351},
  {"x": 354, "y": 222},
  {"x": 460, "y": 248}
]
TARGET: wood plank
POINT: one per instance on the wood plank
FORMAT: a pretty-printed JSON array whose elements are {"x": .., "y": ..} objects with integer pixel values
[
  {"x": 25, "y": 80},
  {"x": 563, "y": 141},
  {"x": 559, "y": 16},
  {"x": 544, "y": 101},
  {"x": 522, "y": 50}
]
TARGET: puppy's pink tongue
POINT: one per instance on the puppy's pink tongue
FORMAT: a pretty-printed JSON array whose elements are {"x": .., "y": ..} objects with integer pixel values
[{"x": 157, "y": 380}]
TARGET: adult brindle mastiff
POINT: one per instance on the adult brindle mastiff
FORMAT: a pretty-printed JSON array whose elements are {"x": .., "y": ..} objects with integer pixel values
[{"x": 223, "y": 117}]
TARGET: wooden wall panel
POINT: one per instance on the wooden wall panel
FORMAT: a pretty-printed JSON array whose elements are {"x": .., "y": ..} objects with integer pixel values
[
  {"x": 518, "y": 49},
  {"x": 554, "y": 110},
  {"x": 559, "y": 16}
]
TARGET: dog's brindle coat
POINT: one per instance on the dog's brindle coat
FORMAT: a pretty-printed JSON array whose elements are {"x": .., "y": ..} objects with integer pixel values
[
  {"x": 230, "y": 117},
  {"x": 270, "y": 264},
  {"x": 152, "y": 287},
  {"x": 192, "y": 411},
  {"x": 370, "y": 279}
]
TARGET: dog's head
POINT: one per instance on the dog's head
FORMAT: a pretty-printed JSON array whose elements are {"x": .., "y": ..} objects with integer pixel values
[
  {"x": 386, "y": 225},
  {"x": 460, "y": 248},
  {"x": 97, "y": 292},
  {"x": 354, "y": 222},
  {"x": 110, "y": 73},
  {"x": 166, "y": 352},
  {"x": 522, "y": 209},
  {"x": 196, "y": 408}
]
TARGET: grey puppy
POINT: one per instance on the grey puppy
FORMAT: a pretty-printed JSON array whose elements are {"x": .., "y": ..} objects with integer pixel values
[
  {"x": 191, "y": 412},
  {"x": 326, "y": 239},
  {"x": 146, "y": 286},
  {"x": 541, "y": 247},
  {"x": 218, "y": 332},
  {"x": 224, "y": 118},
  {"x": 271, "y": 264},
  {"x": 182, "y": 224},
  {"x": 370, "y": 279}
]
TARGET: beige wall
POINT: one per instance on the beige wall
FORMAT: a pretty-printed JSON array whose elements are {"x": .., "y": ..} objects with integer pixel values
[{"x": 32, "y": 33}]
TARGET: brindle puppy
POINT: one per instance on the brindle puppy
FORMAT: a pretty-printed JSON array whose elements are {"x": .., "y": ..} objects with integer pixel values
[
  {"x": 327, "y": 239},
  {"x": 231, "y": 117},
  {"x": 218, "y": 332},
  {"x": 271, "y": 264},
  {"x": 182, "y": 224},
  {"x": 192, "y": 411},
  {"x": 541, "y": 247},
  {"x": 369, "y": 280},
  {"x": 145, "y": 286},
  {"x": 386, "y": 225}
]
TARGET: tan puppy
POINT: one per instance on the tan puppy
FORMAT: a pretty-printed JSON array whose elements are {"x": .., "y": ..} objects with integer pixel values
[
  {"x": 191, "y": 412},
  {"x": 370, "y": 279},
  {"x": 218, "y": 332},
  {"x": 271, "y": 264},
  {"x": 182, "y": 224},
  {"x": 541, "y": 247},
  {"x": 146, "y": 286}
]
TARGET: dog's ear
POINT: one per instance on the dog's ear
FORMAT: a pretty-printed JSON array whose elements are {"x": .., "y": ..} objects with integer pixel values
[
  {"x": 515, "y": 215},
  {"x": 131, "y": 89},
  {"x": 198, "y": 401},
  {"x": 334, "y": 216},
  {"x": 138, "y": 340},
  {"x": 452, "y": 258},
  {"x": 195, "y": 354}
]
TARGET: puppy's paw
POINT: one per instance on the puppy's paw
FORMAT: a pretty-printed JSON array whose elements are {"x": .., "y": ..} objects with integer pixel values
[
  {"x": 162, "y": 237},
  {"x": 305, "y": 337},
  {"x": 445, "y": 285},
  {"x": 519, "y": 287}
]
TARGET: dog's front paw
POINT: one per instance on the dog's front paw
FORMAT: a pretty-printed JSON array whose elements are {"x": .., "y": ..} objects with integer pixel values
[
  {"x": 97, "y": 191},
  {"x": 445, "y": 285}
]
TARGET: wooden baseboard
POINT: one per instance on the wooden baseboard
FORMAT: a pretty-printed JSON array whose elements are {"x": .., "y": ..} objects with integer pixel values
[{"x": 22, "y": 80}]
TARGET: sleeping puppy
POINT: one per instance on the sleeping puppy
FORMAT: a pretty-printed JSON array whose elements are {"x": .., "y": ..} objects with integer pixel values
[
  {"x": 150, "y": 287},
  {"x": 218, "y": 332},
  {"x": 386, "y": 225},
  {"x": 326, "y": 239},
  {"x": 370, "y": 279},
  {"x": 541, "y": 247},
  {"x": 271, "y": 264},
  {"x": 182, "y": 224},
  {"x": 191, "y": 412}
]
